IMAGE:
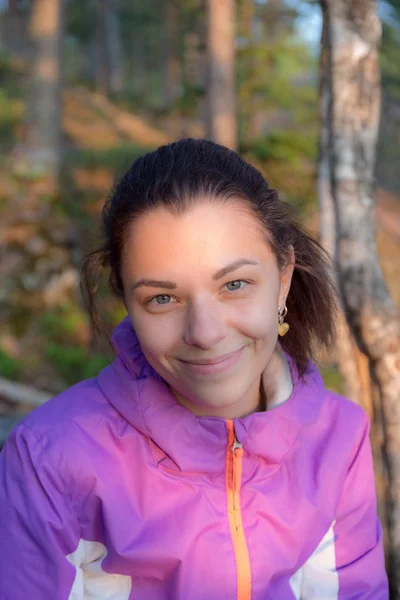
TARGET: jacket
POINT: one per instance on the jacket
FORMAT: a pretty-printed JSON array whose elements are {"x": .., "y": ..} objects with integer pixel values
[{"x": 114, "y": 491}]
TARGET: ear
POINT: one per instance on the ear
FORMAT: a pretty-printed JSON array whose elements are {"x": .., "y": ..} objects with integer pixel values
[{"x": 286, "y": 277}]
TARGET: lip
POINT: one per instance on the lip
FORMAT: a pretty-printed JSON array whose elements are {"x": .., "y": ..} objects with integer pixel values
[
  {"x": 212, "y": 361},
  {"x": 223, "y": 364}
]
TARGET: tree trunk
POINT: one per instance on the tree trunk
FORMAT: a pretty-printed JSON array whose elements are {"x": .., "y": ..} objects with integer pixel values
[
  {"x": 348, "y": 355},
  {"x": 170, "y": 54},
  {"x": 114, "y": 48},
  {"x": 40, "y": 151},
  {"x": 139, "y": 63},
  {"x": 15, "y": 33},
  {"x": 109, "y": 69},
  {"x": 221, "y": 101},
  {"x": 351, "y": 42},
  {"x": 3, "y": 29},
  {"x": 102, "y": 54}
]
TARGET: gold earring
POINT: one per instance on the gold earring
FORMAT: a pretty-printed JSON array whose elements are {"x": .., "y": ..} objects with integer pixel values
[{"x": 283, "y": 327}]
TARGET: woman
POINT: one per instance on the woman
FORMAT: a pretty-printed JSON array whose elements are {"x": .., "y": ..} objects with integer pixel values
[{"x": 208, "y": 462}]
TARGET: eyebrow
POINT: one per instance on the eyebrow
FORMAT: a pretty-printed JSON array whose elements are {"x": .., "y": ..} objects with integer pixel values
[{"x": 170, "y": 285}]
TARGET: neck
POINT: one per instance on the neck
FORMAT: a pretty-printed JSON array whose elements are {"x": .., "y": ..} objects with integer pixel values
[
  {"x": 273, "y": 388},
  {"x": 276, "y": 379}
]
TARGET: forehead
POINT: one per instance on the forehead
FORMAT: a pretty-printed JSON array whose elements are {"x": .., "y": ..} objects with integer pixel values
[{"x": 207, "y": 234}]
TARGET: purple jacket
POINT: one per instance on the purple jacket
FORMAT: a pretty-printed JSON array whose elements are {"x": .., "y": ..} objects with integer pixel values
[{"x": 114, "y": 491}]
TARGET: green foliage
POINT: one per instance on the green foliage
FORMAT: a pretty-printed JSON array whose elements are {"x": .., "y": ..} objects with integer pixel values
[
  {"x": 11, "y": 74},
  {"x": 10, "y": 368},
  {"x": 390, "y": 50},
  {"x": 20, "y": 318},
  {"x": 278, "y": 104},
  {"x": 117, "y": 159},
  {"x": 8, "y": 116},
  {"x": 74, "y": 363},
  {"x": 390, "y": 61},
  {"x": 290, "y": 147},
  {"x": 387, "y": 172},
  {"x": 287, "y": 159},
  {"x": 117, "y": 313},
  {"x": 11, "y": 102},
  {"x": 276, "y": 76},
  {"x": 64, "y": 325},
  {"x": 6, "y": 70},
  {"x": 65, "y": 332},
  {"x": 187, "y": 103},
  {"x": 80, "y": 19},
  {"x": 332, "y": 379}
]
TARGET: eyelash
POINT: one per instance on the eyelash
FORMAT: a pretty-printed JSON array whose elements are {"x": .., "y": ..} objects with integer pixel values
[{"x": 168, "y": 295}]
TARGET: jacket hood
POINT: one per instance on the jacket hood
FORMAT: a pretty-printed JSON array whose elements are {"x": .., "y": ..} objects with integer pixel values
[{"x": 184, "y": 441}]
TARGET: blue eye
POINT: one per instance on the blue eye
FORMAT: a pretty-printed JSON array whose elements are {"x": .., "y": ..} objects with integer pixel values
[
  {"x": 168, "y": 296},
  {"x": 159, "y": 296},
  {"x": 236, "y": 281}
]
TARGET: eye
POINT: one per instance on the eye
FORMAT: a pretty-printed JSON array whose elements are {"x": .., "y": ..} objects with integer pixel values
[
  {"x": 159, "y": 296},
  {"x": 237, "y": 281},
  {"x": 150, "y": 300}
]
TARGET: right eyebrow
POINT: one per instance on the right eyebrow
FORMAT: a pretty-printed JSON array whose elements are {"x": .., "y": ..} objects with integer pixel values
[{"x": 170, "y": 285}]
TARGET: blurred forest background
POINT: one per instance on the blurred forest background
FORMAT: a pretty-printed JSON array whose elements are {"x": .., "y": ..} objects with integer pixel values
[{"x": 86, "y": 86}]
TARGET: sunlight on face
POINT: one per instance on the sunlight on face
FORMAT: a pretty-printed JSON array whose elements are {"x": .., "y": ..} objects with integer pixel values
[{"x": 193, "y": 315}]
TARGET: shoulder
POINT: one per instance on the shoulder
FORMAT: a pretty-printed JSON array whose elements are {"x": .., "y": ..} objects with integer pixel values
[
  {"x": 67, "y": 440},
  {"x": 61, "y": 424},
  {"x": 345, "y": 412},
  {"x": 338, "y": 427},
  {"x": 346, "y": 424},
  {"x": 336, "y": 421}
]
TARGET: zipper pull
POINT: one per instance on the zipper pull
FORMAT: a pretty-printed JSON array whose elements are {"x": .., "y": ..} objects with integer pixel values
[{"x": 236, "y": 444}]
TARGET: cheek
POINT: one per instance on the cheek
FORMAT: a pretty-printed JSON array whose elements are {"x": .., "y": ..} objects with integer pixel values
[
  {"x": 262, "y": 329},
  {"x": 260, "y": 319},
  {"x": 155, "y": 338}
]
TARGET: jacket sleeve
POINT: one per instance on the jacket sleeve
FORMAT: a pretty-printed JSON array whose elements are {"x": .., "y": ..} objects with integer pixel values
[
  {"x": 349, "y": 562},
  {"x": 37, "y": 526}
]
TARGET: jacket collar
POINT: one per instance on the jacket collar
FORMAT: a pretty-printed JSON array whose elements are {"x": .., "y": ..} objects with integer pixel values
[{"x": 181, "y": 440}]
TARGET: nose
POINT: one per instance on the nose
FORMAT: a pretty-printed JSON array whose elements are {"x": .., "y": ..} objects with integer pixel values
[{"x": 204, "y": 324}]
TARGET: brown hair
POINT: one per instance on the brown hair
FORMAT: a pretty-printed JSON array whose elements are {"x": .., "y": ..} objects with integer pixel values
[{"x": 177, "y": 175}]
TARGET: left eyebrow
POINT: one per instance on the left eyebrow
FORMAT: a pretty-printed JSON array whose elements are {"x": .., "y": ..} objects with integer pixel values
[{"x": 170, "y": 285}]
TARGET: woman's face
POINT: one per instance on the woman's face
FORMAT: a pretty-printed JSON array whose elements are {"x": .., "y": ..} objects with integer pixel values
[{"x": 200, "y": 314}]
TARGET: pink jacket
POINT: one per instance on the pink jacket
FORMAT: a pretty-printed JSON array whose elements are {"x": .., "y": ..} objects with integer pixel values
[{"x": 114, "y": 491}]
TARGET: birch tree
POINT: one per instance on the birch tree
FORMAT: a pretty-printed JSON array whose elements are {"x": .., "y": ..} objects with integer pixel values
[
  {"x": 352, "y": 363},
  {"x": 351, "y": 95}
]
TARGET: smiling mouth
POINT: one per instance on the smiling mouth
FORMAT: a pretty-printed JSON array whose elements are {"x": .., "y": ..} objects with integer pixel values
[
  {"x": 224, "y": 365},
  {"x": 214, "y": 361}
]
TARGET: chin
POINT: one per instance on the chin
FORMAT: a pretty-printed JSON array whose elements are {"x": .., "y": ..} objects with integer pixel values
[{"x": 225, "y": 400}]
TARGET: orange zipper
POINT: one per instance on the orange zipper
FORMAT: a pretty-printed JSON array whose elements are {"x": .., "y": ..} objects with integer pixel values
[{"x": 234, "y": 456}]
